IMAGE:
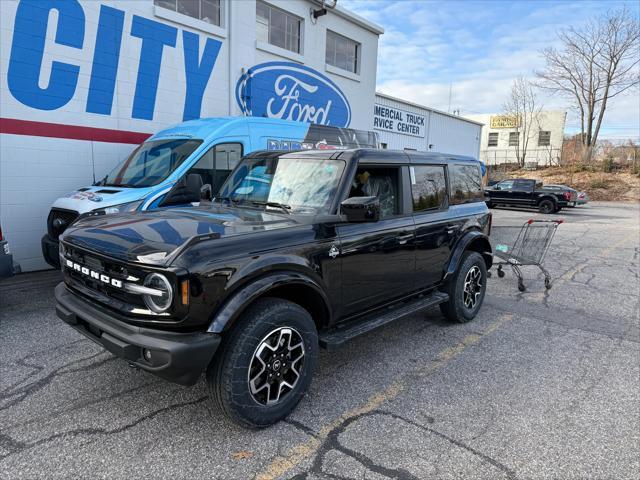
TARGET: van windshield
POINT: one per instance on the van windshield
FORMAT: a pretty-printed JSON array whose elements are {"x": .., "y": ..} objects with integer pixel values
[
  {"x": 151, "y": 163},
  {"x": 301, "y": 185}
]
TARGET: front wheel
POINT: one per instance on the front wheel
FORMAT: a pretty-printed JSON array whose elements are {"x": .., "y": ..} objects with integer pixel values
[
  {"x": 266, "y": 364},
  {"x": 466, "y": 289},
  {"x": 546, "y": 207}
]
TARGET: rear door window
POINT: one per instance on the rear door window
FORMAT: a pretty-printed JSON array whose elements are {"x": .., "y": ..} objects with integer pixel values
[
  {"x": 465, "y": 184},
  {"x": 428, "y": 187}
]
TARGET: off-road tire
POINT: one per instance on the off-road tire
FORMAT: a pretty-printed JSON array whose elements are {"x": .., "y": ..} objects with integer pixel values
[
  {"x": 546, "y": 206},
  {"x": 227, "y": 375},
  {"x": 454, "y": 309}
]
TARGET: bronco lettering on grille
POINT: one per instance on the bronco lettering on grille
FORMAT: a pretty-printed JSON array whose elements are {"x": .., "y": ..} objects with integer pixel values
[{"x": 93, "y": 274}]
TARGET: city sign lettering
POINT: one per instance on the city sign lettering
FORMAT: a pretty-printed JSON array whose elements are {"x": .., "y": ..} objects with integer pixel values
[
  {"x": 398, "y": 121},
  {"x": 28, "y": 56},
  {"x": 290, "y": 91}
]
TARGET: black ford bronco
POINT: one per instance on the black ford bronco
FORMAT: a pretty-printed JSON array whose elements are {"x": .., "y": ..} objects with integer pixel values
[{"x": 298, "y": 251}]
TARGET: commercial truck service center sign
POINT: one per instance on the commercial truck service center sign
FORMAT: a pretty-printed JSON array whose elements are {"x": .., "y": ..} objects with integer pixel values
[{"x": 399, "y": 121}]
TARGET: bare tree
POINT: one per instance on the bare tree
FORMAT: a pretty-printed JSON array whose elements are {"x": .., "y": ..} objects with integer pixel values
[
  {"x": 594, "y": 64},
  {"x": 523, "y": 107}
]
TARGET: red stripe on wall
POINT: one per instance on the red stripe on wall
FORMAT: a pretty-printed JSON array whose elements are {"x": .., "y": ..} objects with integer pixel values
[{"x": 74, "y": 132}]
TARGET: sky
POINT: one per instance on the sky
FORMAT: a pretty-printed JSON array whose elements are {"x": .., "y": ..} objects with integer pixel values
[{"x": 477, "y": 48}]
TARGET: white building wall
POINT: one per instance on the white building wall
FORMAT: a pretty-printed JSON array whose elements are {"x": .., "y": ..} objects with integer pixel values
[
  {"x": 441, "y": 132},
  {"x": 453, "y": 135},
  {"x": 549, "y": 120},
  {"x": 35, "y": 169}
]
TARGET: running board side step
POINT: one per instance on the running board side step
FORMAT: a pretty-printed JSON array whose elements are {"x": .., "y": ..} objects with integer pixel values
[{"x": 335, "y": 337}]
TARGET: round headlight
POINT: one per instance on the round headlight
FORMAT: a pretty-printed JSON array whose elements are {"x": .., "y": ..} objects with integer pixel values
[{"x": 162, "y": 301}]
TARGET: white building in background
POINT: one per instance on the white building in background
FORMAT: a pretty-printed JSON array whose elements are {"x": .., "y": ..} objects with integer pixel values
[
  {"x": 502, "y": 136},
  {"x": 405, "y": 125},
  {"x": 83, "y": 82}
]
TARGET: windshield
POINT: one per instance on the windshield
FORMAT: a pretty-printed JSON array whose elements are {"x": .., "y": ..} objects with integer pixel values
[
  {"x": 301, "y": 185},
  {"x": 151, "y": 163}
]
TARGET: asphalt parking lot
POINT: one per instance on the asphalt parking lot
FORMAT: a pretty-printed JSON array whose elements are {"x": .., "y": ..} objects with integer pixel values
[{"x": 540, "y": 385}]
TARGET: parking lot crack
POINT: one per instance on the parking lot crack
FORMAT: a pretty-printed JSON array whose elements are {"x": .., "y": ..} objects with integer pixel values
[
  {"x": 17, "y": 395},
  {"x": 509, "y": 472},
  {"x": 15, "y": 446}
]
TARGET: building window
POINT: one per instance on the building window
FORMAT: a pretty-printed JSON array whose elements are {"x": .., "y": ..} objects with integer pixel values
[
  {"x": 383, "y": 145},
  {"x": 205, "y": 10},
  {"x": 428, "y": 187},
  {"x": 342, "y": 52},
  {"x": 544, "y": 138},
  {"x": 514, "y": 139},
  {"x": 493, "y": 140},
  {"x": 277, "y": 27}
]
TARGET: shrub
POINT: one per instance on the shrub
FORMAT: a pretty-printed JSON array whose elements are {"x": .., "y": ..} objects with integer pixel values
[{"x": 599, "y": 183}]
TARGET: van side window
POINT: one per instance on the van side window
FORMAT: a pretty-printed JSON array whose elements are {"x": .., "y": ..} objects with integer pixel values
[
  {"x": 465, "y": 184},
  {"x": 217, "y": 163},
  {"x": 428, "y": 187}
]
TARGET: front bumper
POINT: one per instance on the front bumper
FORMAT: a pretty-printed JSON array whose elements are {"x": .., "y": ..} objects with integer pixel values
[
  {"x": 50, "y": 250},
  {"x": 176, "y": 357},
  {"x": 7, "y": 267}
]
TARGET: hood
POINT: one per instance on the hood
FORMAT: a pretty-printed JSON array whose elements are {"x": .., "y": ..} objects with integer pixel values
[
  {"x": 155, "y": 237},
  {"x": 87, "y": 199}
]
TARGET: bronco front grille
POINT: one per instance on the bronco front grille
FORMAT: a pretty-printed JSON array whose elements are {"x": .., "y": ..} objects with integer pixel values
[
  {"x": 58, "y": 221},
  {"x": 112, "y": 269}
]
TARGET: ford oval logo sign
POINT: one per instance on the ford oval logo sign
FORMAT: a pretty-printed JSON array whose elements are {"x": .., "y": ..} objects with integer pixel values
[{"x": 289, "y": 91}]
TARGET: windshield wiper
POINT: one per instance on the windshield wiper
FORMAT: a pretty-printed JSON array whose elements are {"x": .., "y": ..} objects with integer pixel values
[
  {"x": 284, "y": 207},
  {"x": 232, "y": 201}
]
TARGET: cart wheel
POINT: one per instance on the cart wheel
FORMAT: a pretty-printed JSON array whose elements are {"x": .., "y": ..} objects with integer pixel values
[
  {"x": 521, "y": 286},
  {"x": 501, "y": 273},
  {"x": 547, "y": 283}
]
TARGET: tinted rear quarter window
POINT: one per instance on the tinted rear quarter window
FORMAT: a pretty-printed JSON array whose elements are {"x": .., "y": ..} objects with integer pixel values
[
  {"x": 428, "y": 187},
  {"x": 465, "y": 183}
]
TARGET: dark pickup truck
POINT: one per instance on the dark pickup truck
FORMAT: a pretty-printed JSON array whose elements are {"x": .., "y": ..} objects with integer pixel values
[
  {"x": 522, "y": 192},
  {"x": 298, "y": 251}
]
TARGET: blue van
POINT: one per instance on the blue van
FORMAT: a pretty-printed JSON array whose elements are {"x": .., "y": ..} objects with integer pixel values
[{"x": 194, "y": 156}]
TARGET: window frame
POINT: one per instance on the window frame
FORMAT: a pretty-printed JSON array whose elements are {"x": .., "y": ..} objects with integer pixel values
[
  {"x": 517, "y": 137},
  {"x": 548, "y": 137},
  {"x": 357, "y": 57},
  {"x": 445, "y": 201},
  {"x": 175, "y": 15},
  {"x": 213, "y": 147},
  {"x": 491, "y": 136},
  {"x": 287, "y": 15}
]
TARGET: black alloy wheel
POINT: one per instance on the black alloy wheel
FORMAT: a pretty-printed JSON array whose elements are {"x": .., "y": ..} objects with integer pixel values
[
  {"x": 546, "y": 207},
  {"x": 265, "y": 363},
  {"x": 466, "y": 289}
]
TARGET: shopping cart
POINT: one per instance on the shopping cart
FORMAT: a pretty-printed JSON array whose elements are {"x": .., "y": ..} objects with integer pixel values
[{"x": 519, "y": 246}]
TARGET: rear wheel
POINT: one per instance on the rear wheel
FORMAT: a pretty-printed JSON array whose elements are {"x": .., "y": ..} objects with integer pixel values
[
  {"x": 546, "y": 206},
  {"x": 466, "y": 289},
  {"x": 266, "y": 364}
]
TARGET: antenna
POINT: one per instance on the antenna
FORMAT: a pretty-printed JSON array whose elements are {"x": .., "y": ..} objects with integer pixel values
[{"x": 450, "y": 89}]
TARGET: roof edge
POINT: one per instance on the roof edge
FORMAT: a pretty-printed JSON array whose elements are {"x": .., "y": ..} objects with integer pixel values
[
  {"x": 358, "y": 20},
  {"x": 431, "y": 109}
]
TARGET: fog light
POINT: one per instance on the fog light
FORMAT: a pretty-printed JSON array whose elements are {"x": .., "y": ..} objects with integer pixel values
[{"x": 147, "y": 354}]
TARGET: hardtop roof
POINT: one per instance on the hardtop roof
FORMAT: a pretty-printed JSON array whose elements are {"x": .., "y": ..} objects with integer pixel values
[{"x": 372, "y": 155}]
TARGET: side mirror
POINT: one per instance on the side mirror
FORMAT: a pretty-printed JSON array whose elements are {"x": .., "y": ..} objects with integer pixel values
[
  {"x": 186, "y": 190},
  {"x": 205, "y": 192},
  {"x": 361, "y": 209}
]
